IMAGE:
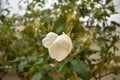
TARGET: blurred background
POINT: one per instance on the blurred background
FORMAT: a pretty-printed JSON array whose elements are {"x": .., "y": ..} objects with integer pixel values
[{"x": 92, "y": 25}]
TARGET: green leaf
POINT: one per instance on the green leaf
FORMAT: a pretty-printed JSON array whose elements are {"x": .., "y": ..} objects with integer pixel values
[
  {"x": 22, "y": 65},
  {"x": 37, "y": 76},
  {"x": 47, "y": 68},
  {"x": 40, "y": 60},
  {"x": 117, "y": 59},
  {"x": 81, "y": 70},
  {"x": 114, "y": 78},
  {"x": 59, "y": 25},
  {"x": 61, "y": 65},
  {"x": 110, "y": 28},
  {"x": 92, "y": 5},
  {"x": 108, "y": 1},
  {"x": 5, "y": 27},
  {"x": 115, "y": 23},
  {"x": 86, "y": 52},
  {"x": 49, "y": 78},
  {"x": 116, "y": 70},
  {"x": 111, "y": 8},
  {"x": 105, "y": 13},
  {"x": 29, "y": 31}
]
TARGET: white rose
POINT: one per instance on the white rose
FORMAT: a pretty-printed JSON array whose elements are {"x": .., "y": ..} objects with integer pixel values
[{"x": 59, "y": 46}]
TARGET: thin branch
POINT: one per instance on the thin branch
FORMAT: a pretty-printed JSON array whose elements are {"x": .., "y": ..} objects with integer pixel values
[{"x": 100, "y": 76}]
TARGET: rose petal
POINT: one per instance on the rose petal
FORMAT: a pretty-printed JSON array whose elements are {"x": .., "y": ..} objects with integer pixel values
[
  {"x": 64, "y": 41},
  {"x": 49, "y": 39},
  {"x": 57, "y": 52}
]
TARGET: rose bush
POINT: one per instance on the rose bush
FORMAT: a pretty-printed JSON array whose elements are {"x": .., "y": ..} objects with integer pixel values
[{"x": 39, "y": 50}]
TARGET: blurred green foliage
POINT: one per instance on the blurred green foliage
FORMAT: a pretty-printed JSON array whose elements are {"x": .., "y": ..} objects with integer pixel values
[{"x": 23, "y": 49}]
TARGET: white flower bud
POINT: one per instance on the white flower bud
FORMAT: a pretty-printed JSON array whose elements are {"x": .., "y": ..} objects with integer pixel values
[
  {"x": 19, "y": 28},
  {"x": 60, "y": 48}
]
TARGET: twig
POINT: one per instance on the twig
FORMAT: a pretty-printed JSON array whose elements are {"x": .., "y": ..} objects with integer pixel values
[{"x": 100, "y": 76}]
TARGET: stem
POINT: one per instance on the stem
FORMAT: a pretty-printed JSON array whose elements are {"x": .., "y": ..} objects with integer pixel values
[{"x": 100, "y": 76}]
